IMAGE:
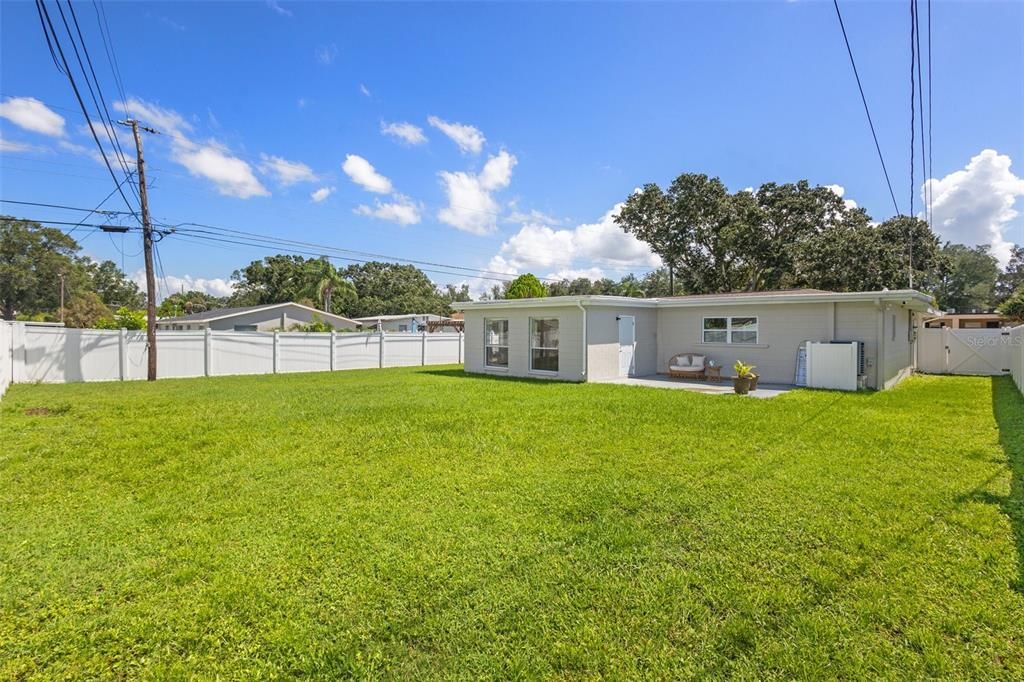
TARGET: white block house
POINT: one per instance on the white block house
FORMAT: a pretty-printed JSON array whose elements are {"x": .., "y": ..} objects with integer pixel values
[{"x": 593, "y": 338}]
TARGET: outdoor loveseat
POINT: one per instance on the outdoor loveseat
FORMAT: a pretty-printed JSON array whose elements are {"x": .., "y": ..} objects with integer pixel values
[{"x": 687, "y": 365}]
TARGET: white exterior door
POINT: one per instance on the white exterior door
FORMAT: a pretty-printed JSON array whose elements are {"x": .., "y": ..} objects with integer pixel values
[{"x": 627, "y": 345}]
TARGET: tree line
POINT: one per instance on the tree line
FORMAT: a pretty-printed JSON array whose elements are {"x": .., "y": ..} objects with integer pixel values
[
  {"x": 786, "y": 236},
  {"x": 34, "y": 259}
]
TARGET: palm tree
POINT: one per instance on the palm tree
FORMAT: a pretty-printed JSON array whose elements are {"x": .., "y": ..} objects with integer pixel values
[{"x": 331, "y": 283}]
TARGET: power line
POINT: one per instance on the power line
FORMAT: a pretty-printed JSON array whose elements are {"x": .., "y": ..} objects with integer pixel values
[
  {"x": 213, "y": 229},
  {"x": 913, "y": 24},
  {"x": 48, "y": 26},
  {"x": 867, "y": 111},
  {"x": 101, "y": 104},
  {"x": 67, "y": 208},
  {"x": 920, "y": 108},
  {"x": 108, "y": 46},
  {"x": 931, "y": 169}
]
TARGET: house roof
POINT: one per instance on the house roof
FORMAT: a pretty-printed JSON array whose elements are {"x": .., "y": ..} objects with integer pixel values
[
  {"x": 390, "y": 318},
  {"x": 910, "y": 297},
  {"x": 222, "y": 313}
]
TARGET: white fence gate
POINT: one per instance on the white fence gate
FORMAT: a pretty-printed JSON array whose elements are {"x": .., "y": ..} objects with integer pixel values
[
  {"x": 60, "y": 355},
  {"x": 986, "y": 352}
]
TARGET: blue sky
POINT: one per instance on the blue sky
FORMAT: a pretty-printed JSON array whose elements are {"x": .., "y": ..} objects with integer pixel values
[{"x": 576, "y": 105}]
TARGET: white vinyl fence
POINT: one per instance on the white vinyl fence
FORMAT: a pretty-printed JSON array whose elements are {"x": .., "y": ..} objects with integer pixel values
[
  {"x": 6, "y": 356},
  {"x": 60, "y": 355},
  {"x": 1017, "y": 356}
]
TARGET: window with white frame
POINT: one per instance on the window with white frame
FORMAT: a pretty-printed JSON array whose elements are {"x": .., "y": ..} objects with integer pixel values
[
  {"x": 544, "y": 344},
  {"x": 496, "y": 343},
  {"x": 730, "y": 329}
]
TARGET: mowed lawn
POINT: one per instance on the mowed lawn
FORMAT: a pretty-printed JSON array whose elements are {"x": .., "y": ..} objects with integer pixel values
[{"x": 421, "y": 523}]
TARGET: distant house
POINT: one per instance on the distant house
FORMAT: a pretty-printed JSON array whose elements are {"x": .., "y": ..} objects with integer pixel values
[
  {"x": 399, "y": 323},
  {"x": 256, "y": 318},
  {"x": 968, "y": 321}
]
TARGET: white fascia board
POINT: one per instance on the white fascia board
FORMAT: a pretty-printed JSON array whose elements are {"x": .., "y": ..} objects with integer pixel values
[{"x": 558, "y": 302}]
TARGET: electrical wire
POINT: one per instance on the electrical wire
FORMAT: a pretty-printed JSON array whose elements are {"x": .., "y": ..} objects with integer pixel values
[
  {"x": 867, "y": 110},
  {"x": 931, "y": 168},
  {"x": 48, "y": 25},
  {"x": 101, "y": 103},
  {"x": 67, "y": 208},
  {"x": 920, "y": 110},
  {"x": 913, "y": 24}
]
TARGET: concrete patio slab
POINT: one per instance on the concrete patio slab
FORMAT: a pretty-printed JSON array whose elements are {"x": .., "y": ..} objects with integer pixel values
[{"x": 708, "y": 387}]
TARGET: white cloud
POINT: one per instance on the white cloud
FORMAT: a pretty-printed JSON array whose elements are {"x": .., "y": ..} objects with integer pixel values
[
  {"x": 82, "y": 150},
  {"x": 287, "y": 172},
  {"x": 232, "y": 176},
  {"x": 164, "y": 120},
  {"x": 31, "y": 114},
  {"x": 471, "y": 208},
  {"x": 174, "y": 284},
  {"x": 172, "y": 23},
  {"x": 402, "y": 211},
  {"x": 365, "y": 90},
  {"x": 975, "y": 205},
  {"x": 319, "y": 195},
  {"x": 276, "y": 6},
  {"x": 211, "y": 160},
  {"x": 468, "y": 138},
  {"x": 407, "y": 132},
  {"x": 302, "y": 103},
  {"x": 326, "y": 54},
  {"x": 589, "y": 273},
  {"x": 532, "y": 216},
  {"x": 603, "y": 243},
  {"x": 14, "y": 146},
  {"x": 840, "y": 192},
  {"x": 365, "y": 175}
]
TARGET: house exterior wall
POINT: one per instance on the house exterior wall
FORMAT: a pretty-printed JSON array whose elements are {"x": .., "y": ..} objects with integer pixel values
[
  {"x": 570, "y": 351},
  {"x": 898, "y": 345},
  {"x": 603, "y": 340},
  {"x": 781, "y": 329}
]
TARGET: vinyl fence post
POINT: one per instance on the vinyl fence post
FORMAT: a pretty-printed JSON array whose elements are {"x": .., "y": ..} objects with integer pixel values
[
  {"x": 423, "y": 349},
  {"x": 122, "y": 353},
  {"x": 380, "y": 349},
  {"x": 207, "y": 352},
  {"x": 334, "y": 338},
  {"x": 276, "y": 353},
  {"x": 945, "y": 350},
  {"x": 460, "y": 347}
]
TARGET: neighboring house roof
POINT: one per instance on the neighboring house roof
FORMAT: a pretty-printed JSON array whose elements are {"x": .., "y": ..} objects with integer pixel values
[
  {"x": 222, "y": 313},
  {"x": 909, "y": 297},
  {"x": 967, "y": 316},
  {"x": 392, "y": 318}
]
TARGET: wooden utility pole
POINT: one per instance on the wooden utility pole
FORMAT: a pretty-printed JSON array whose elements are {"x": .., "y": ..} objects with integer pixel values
[{"x": 147, "y": 249}]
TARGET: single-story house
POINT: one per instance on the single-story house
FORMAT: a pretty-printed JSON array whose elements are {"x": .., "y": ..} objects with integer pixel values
[
  {"x": 255, "y": 318},
  {"x": 399, "y": 323},
  {"x": 593, "y": 338},
  {"x": 968, "y": 321}
]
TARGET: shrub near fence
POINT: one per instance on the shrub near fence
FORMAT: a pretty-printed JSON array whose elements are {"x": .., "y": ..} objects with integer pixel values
[{"x": 61, "y": 355}]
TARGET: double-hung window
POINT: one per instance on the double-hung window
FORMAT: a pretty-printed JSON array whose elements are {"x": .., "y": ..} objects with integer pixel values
[
  {"x": 730, "y": 330},
  {"x": 544, "y": 344},
  {"x": 496, "y": 343}
]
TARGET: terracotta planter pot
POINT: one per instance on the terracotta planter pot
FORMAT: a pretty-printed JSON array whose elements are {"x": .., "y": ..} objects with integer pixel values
[
  {"x": 753, "y": 383},
  {"x": 741, "y": 385}
]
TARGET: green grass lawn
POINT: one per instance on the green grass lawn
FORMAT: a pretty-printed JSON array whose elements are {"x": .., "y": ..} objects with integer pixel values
[{"x": 415, "y": 523}]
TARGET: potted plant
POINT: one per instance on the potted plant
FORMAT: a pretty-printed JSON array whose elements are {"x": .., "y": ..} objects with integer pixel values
[{"x": 744, "y": 378}]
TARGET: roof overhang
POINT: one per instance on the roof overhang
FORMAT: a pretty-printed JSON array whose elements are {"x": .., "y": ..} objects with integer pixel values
[
  {"x": 910, "y": 298},
  {"x": 272, "y": 306}
]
